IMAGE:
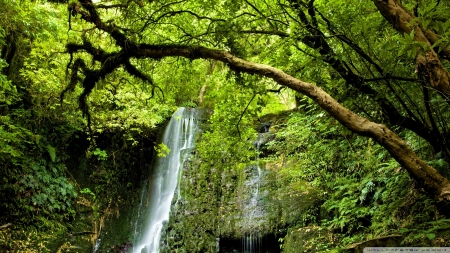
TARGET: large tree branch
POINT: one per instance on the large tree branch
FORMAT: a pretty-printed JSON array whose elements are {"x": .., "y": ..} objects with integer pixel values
[
  {"x": 426, "y": 175},
  {"x": 413, "y": 123},
  {"x": 90, "y": 15},
  {"x": 428, "y": 64},
  {"x": 316, "y": 39},
  {"x": 419, "y": 169}
]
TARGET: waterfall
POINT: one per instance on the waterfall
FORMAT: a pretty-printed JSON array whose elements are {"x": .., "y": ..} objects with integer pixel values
[
  {"x": 164, "y": 179},
  {"x": 253, "y": 214}
]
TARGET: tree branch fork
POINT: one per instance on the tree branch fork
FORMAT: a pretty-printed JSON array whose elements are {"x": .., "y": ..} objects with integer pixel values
[{"x": 426, "y": 175}]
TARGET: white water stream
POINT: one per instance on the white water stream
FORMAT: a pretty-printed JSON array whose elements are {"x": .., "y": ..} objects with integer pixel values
[
  {"x": 164, "y": 179},
  {"x": 253, "y": 213}
]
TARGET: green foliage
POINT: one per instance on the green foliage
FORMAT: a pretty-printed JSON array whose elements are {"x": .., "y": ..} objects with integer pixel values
[
  {"x": 100, "y": 154},
  {"x": 325, "y": 175},
  {"x": 51, "y": 190},
  {"x": 37, "y": 184},
  {"x": 412, "y": 47},
  {"x": 363, "y": 191},
  {"x": 8, "y": 92},
  {"x": 230, "y": 126},
  {"x": 87, "y": 191},
  {"x": 426, "y": 230},
  {"x": 32, "y": 241},
  {"x": 37, "y": 195},
  {"x": 162, "y": 150}
]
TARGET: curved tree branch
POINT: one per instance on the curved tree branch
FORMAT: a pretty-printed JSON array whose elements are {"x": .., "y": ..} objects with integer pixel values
[
  {"x": 316, "y": 39},
  {"x": 419, "y": 169},
  {"x": 426, "y": 175}
]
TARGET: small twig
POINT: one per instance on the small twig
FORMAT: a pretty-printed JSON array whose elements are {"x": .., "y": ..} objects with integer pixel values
[
  {"x": 5, "y": 226},
  {"x": 242, "y": 114},
  {"x": 277, "y": 90},
  {"x": 390, "y": 77},
  {"x": 82, "y": 233}
]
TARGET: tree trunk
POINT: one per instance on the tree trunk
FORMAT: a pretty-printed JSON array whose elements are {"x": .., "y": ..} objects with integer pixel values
[{"x": 429, "y": 66}]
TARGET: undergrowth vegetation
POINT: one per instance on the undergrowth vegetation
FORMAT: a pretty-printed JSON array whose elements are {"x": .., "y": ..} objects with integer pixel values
[
  {"x": 362, "y": 192},
  {"x": 86, "y": 86},
  {"x": 49, "y": 160}
]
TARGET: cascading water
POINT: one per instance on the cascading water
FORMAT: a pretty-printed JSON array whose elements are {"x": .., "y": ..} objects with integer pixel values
[
  {"x": 253, "y": 214},
  {"x": 163, "y": 182}
]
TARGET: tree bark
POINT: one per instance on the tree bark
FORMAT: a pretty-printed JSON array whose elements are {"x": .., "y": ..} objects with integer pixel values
[
  {"x": 316, "y": 40},
  {"x": 429, "y": 65},
  {"x": 427, "y": 176}
]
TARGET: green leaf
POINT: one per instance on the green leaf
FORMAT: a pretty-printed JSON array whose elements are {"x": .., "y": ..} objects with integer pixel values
[
  {"x": 431, "y": 236},
  {"x": 418, "y": 236},
  {"x": 403, "y": 230},
  {"x": 52, "y": 152}
]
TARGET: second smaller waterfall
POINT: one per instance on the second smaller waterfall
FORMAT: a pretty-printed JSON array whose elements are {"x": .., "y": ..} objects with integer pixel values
[{"x": 253, "y": 214}]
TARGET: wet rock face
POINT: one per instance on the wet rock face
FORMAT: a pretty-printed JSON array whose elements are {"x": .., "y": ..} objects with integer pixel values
[
  {"x": 122, "y": 248},
  {"x": 223, "y": 211},
  {"x": 232, "y": 210},
  {"x": 264, "y": 127},
  {"x": 251, "y": 204},
  {"x": 263, "y": 139}
]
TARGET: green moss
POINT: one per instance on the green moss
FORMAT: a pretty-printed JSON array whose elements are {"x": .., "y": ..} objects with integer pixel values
[{"x": 308, "y": 239}]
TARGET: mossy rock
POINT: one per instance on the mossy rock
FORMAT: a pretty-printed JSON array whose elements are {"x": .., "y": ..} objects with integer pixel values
[
  {"x": 308, "y": 239},
  {"x": 384, "y": 241},
  {"x": 442, "y": 239}
]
